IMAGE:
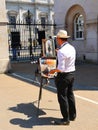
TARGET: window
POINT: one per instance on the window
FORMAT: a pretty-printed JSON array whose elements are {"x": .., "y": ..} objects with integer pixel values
[
  {"x": 43, "y": 21},
  {"x": 79, "y": 27},
  {"x": 12, "y": 20},
  {"x": 28, "y": 19}
]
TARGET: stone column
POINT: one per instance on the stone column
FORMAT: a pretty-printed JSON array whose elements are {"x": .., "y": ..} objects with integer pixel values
[{"x": 4, "y": 52}]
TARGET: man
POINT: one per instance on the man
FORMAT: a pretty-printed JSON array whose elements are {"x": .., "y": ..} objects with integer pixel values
[{"x": 64, "y": 80}]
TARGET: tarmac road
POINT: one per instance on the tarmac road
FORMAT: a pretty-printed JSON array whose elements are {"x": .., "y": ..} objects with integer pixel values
[{"x": 19, "y": 96}]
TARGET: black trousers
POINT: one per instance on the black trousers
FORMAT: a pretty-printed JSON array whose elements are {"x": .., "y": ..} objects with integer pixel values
[{"x": 64, "y": 83}]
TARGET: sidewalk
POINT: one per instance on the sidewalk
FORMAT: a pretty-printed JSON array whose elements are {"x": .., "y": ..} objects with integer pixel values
[
  {"x": 18, "y": 108},
  {"x": 19, "y": 101}
]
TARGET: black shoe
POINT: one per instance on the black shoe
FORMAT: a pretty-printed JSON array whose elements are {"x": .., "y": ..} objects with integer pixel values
[
  {"x": 72, "y": 119},
  {"x": 62, "y": 122}
]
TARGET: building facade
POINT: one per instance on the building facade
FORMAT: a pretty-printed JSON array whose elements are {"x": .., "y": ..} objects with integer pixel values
[
  {"x": 41, "y": 12},
  {"x": 29, "y": 21},
  {"x": 4, "y": 54},
  {"x": 80, "y": 19}
]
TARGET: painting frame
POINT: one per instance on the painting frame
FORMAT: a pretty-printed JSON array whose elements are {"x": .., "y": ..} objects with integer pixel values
[{"x": 48, "y": 48}]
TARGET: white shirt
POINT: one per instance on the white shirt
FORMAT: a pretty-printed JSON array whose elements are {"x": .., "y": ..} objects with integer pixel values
[{"x": 66, "y": 58}]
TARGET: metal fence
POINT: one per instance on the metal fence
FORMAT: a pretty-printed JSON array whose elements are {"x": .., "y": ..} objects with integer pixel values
[
  {"x": 23, "y": 44},
  {"x": 25, "y": 40}
]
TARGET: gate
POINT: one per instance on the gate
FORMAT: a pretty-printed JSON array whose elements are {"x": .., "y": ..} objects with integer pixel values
[
  {"x": 25, "y": 40},
  {"x": 23, "y": 44}
]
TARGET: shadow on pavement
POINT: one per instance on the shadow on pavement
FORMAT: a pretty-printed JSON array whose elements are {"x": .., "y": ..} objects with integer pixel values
[
  {"x": 86, "y": 75},
  {"x": 84, "y": 87},
  {"x": 30, "y": 110}
]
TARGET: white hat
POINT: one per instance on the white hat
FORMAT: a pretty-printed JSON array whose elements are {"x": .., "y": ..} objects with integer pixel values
[{"x": 62, "y": 34}]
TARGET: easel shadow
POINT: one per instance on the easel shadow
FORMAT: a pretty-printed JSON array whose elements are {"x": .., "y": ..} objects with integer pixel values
[{"x": 30, "y": 110}]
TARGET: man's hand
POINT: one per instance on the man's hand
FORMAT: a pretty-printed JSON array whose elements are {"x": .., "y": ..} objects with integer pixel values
[{"x": 54, "y": 71}]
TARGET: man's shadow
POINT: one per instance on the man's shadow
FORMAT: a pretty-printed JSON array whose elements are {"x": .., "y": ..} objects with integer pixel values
[{"x": 33, "y": 116}]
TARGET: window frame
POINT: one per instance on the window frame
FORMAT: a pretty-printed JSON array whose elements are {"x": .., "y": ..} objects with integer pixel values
[
  {"x": 43, "y": 21},
  {"x": 79, "y": 24}
]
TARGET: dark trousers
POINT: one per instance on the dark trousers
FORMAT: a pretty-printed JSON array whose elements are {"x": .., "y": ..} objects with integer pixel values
[{"x": 64, "y": 83}]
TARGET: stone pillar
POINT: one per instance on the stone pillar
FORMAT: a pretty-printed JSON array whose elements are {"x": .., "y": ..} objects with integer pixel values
[{"x": 4, "y": 52}]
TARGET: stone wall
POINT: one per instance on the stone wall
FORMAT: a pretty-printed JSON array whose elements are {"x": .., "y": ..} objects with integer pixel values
[
  {"x": 4, "y": 53},
  {"x": 65, "y": 12}
]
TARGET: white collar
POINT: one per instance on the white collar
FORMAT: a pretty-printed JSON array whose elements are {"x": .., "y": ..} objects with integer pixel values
[{"x": 63, "y": 44}]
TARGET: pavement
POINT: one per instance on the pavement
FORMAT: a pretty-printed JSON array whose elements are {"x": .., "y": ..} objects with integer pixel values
[{"x": 19, "y": 91}]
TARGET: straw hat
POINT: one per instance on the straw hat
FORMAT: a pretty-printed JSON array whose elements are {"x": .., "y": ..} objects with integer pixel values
[{"x": 62, "y": 34}]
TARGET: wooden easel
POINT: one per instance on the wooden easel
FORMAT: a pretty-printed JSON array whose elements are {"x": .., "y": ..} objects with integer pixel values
[
  {"x": 40, "y": 94},
  {"x": 46, "y": 77},
  {"x": 45, "y": 56}
]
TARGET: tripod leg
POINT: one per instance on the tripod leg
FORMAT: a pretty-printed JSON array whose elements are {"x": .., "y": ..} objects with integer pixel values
[{"x": 40, "y": 95}]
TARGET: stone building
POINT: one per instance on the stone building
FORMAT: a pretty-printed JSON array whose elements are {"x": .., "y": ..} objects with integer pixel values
[
  {"x": 28, "y": 21},
  {"x": 41, "y": 12},
  {"x": 4, "y": 54},
  {"x": 80, "y": 19}
]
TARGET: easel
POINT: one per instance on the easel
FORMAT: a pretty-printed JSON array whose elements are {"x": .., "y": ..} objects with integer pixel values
[
  {"x": 44, "y": 76},
  {"x": 40, "y": 94},
  {"x": 48, "y": 56}
]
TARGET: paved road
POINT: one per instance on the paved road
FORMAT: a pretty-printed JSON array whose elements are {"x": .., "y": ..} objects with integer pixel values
[{"x": 19, "y": 94}]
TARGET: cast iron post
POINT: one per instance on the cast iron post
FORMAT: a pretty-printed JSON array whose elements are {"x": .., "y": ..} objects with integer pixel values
[{"x": 30, "y": 38}]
